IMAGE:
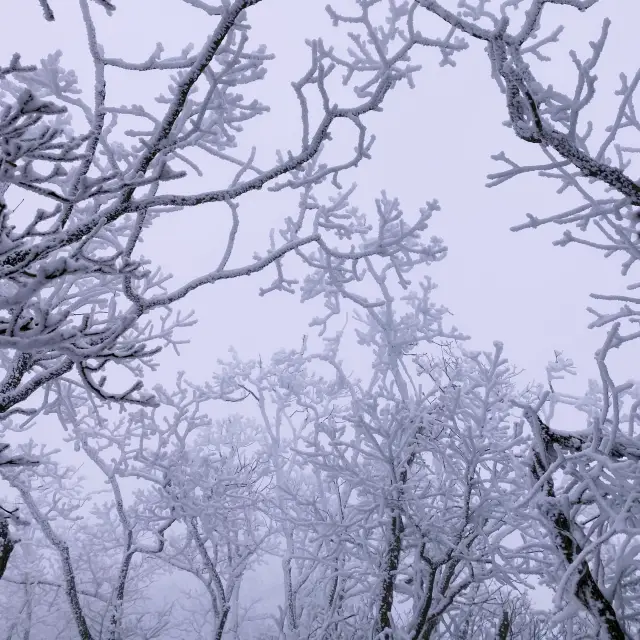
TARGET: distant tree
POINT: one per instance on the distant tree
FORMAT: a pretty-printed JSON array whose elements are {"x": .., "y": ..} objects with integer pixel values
[
  {"x": 203, "y": 484},
  {"x": 82, "y": 557},
  {"x": 391, "y": 492}
]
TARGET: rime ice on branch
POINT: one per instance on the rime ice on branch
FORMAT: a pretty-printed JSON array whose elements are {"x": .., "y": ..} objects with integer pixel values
[{"x": 78, "y": 299}]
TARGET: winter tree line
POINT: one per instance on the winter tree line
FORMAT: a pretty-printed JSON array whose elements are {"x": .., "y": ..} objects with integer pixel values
[{"x": 424, "y": 500}]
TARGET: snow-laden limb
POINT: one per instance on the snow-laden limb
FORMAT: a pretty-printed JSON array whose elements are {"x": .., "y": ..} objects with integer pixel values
[
  {"x": 9, "y": 518},
  {"x": 583, "y": 484},
  {"x": 49, "y": 15},
  {"x": 7, "y": 545},
  {"x": 567, "y": 536},
  {"x": 78, "y": 297},
  {"x": 211, "y": 482},
  {"x": 599, "y": 174}
]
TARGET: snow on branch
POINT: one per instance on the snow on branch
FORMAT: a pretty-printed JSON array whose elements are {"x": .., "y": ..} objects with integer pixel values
[{"x": 79, "y": 301}]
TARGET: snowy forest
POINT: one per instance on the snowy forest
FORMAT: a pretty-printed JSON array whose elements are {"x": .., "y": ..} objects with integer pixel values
[{"x": 378, "y": 474}]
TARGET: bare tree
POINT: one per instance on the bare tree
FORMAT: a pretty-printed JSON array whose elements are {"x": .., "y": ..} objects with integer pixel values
[
  {"x": 209, "y": 481},
  {"x": 391, "y": 492}
]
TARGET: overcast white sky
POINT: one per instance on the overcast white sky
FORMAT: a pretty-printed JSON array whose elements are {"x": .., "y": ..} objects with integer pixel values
[{"x": 433, "y": 142}]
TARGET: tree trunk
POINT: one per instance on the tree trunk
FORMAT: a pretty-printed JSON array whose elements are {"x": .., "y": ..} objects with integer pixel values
[
  {"x": 505, "y": 626},
  {"x": 391, "y": 563},
  {"x": 586, "y": 588},
  {"x": 7, "y": 545}
]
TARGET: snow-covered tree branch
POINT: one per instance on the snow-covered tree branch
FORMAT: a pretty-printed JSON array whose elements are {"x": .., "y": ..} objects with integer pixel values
[{"x": 78, "y": 295}]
